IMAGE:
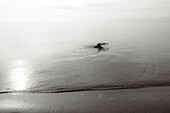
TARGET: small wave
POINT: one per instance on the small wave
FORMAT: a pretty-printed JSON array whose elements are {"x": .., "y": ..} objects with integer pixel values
[{"x": 96, "y": 88}]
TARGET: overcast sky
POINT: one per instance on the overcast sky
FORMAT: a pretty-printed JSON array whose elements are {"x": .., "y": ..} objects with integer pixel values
[{"x": 85, "y": 10}]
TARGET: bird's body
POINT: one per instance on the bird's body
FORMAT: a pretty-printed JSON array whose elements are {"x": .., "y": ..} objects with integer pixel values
[{"x": 99, "y": 46}]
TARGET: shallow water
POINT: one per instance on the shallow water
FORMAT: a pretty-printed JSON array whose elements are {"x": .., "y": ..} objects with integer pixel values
[{"x": 59, "y": 58}]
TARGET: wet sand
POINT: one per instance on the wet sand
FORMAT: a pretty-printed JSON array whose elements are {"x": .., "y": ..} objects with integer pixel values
[{"x": 144, "y": 100}]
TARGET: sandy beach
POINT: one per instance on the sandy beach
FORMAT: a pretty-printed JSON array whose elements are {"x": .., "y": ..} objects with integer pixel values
[
  {"x": 144, "y": 100},
  {"x": 91, "y": 56}
]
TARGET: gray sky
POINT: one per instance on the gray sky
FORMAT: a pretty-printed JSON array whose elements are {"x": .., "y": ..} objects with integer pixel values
[{"x": 85, "y": 10}]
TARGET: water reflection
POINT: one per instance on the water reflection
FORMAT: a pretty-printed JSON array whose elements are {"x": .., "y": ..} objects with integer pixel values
[{"x": 19, "y": 75}]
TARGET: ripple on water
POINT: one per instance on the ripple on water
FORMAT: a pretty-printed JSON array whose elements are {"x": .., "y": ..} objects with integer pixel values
[{"x": 82, "y": 68}]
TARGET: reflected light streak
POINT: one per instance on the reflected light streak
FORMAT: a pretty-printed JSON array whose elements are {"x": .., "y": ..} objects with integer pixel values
[{"x": 19, "y": 75}]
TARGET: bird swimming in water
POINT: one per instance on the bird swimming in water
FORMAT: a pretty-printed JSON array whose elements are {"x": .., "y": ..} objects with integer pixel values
[{"x": 99, "y": 46}]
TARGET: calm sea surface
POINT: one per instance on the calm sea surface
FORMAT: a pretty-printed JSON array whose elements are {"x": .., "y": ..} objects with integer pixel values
[{"x": 58, "y": 56}]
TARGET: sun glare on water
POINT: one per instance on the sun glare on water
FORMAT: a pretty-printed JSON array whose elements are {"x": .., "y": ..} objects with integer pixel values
[{"x": 19, "y": 75}]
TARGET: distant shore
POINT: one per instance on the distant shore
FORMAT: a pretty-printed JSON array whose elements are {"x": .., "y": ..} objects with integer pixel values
[{"x": 145, "y": 100}]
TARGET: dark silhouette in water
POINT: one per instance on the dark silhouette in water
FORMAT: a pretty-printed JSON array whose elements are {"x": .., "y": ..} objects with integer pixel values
[{"x": 99, "y": 46}]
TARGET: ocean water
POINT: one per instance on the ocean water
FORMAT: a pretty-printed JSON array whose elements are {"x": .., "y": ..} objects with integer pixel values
[{"x": 59, "y": 56}]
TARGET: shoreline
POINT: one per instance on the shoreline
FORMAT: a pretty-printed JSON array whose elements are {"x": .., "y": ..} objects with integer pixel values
[{"x": 144, "y": 100}]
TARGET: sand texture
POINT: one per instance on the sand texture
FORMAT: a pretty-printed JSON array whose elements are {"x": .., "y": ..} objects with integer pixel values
[{"x": 145, "y": 100}]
